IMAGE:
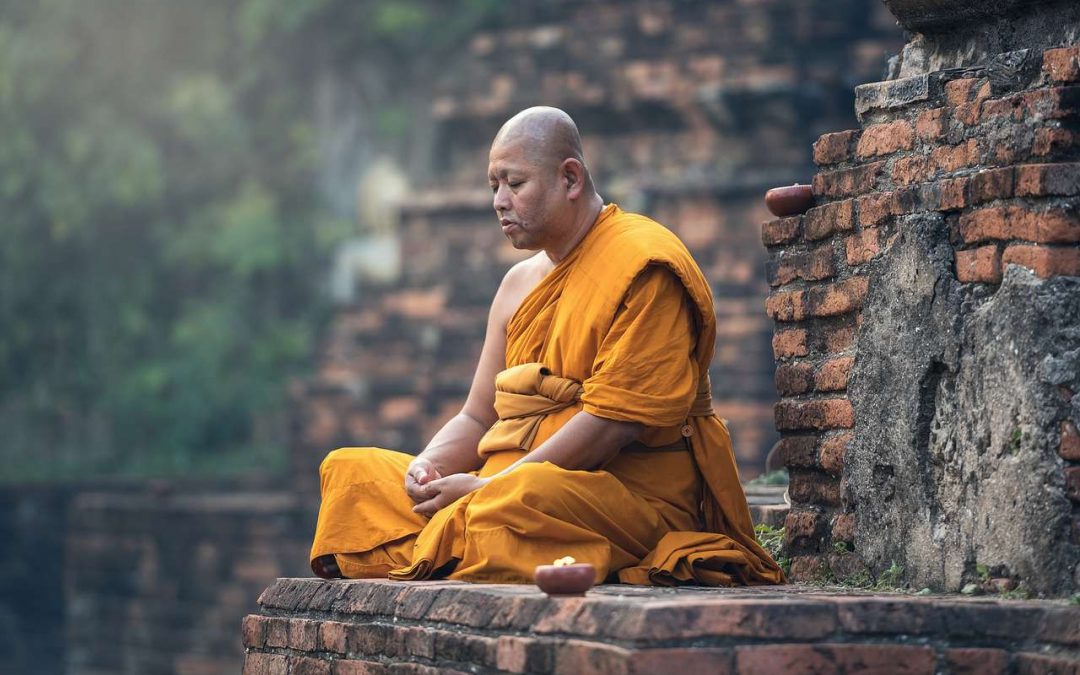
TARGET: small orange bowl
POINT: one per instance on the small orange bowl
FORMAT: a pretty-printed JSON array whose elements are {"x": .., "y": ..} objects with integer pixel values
[
  {"x": 565, "y": 579},
  {"x": 789, "y": 201}
]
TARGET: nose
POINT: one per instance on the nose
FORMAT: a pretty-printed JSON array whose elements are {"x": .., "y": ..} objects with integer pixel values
[{"x": 501, "y": 200}]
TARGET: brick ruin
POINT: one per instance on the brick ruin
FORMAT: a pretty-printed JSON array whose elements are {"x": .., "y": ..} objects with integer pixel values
[
  {"x": 927, "y": 339},
  {"x": 690, "y": 109},
  {"x": 927, "y": 312}
]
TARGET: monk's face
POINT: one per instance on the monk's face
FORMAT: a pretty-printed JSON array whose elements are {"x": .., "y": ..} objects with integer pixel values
[{"x": 529, "y": 199}]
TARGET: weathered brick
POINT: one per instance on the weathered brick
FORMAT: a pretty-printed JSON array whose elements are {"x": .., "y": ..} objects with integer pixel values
[
  {"x": 974, "y": 661},
  {"x": 683, "y": 660},
  {"x": 824, "y": 220},
  {"x": 834, "y": 413},
  {"x": 961, "y": 91},
  {"x": 833, "y": 374},
  {"x": 1062, "y": 65},
  {"x": 332, "y": 637},
  {"x": 781, "y": 230},
  {"x": 932, "y": 124},
  {"x": 354, "y": 667},
  {"x": 1008, "y": 108},
  {"x": 1072, "y": 483},
  {"x": 839, "y": 339},
  {"x": 793, "y": 378},
  {"x": 806, "y": 568},
  {"x": 277, "y": 632},
  {"x": 808, "y": 486},
  {"x": 843, "y": 527},
  {"x": 875, "y": 208},
  {"x": 834, "y": 148},
  {"x": 800, "y": 451},
  {"x": 1016, "y": 222},
  {"x": 813, "y": 265},
  {"x": 862, "y": 246},
  {"x": 910, "y": 170},
  {"x": 832, "y": 453},
  {"x": 1045, "y": 261},
  {"x": 848, "y": 182},
  {"x": 1052, "y": 103},
  {"x": 253, "y": 630},
  {"x": 256, "y": 663},
  {"x": 1041, "y": 180},
  {"x": 788, "y": 343},
  {"x": 885, "y": 139},
  {"x": 837, "y": 298},
  {"x": 835, "y": 658},
  {"x": 578, "y": 656},
  {"x": 303, "y": 635},
  {"x": 308, "y": 665},
  {"x": 952, "y": 194},
  {"x": 950, "y": 158},
  {"x": 1069, "y": 447},
  {"x": 786, "y": 306},
  {"x": 992, "y": 184},
  {"x": 895, "y": 93},
  {"x": 979, "y": 265},
  {"x": 1051, "y": 142},
  {"x": 803, "y": 529},
  {"x": 523, "y": 655},
  {"x": 1045, "y": 664}
]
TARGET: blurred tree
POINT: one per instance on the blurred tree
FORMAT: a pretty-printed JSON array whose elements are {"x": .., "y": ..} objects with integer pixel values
[{"x": 162, "y": 247}]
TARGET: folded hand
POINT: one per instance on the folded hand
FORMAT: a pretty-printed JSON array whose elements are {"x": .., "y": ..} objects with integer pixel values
[
  {"x": 445, "y": 491},
  {"x": 420, "y": 474}
]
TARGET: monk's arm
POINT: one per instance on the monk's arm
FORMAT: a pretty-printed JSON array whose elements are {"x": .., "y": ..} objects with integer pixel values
[
  {"x": 584, "y": 443},
  {"x": 453, "y": 449}
]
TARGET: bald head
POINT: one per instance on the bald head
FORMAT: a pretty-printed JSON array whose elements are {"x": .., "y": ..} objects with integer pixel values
[{"x": 547, "y": 135}]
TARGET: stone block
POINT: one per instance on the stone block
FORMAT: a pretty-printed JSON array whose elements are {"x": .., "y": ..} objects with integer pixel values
[
  {"x": 781, "y": 231},
  {"x": 979, "y": 265},
  {"x": 833, "y": 413},
  {"x": 834, "y": 148},
  {"x": 885, "y": 139},
  {"x": 1045, "y": 261},
  {"x": 822, "y": 221},
  {"x": 834, "y": 658},
  {"x": 852, "y": 182},
  {"x": 1062, "y": 65}
]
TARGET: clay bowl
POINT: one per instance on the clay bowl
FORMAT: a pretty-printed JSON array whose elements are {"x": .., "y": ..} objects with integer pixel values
[
  {"x": 566, "y": 579},
  {"x": 789, "y": 201}
]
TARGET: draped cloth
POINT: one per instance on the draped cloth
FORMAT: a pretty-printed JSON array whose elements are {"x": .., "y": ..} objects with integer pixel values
[{"x": 623, "y": 328}]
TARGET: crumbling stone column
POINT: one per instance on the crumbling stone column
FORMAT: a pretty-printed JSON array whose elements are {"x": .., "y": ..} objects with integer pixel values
[{"x": 927, "y": 312}]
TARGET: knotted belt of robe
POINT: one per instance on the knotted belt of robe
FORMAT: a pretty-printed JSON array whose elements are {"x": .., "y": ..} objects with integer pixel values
[{"x": 526, "y": 393}]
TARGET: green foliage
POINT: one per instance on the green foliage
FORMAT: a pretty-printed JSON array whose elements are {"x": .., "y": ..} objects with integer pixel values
[
  {"x": 890, "y": 579},
  {"x": 772, "y": 540},
  {"x": 982, "y": 572},
  {"x": 162, "y": 242},
  {"x": 841, "y": 547}
]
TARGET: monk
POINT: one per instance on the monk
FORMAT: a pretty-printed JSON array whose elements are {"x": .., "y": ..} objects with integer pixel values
[{"x": 588, "y": 430}]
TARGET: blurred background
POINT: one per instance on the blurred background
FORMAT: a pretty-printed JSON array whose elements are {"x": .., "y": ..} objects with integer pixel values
[{"x": 235, "y": 234}]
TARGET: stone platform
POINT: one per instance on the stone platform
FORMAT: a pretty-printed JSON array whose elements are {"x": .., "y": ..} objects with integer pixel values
[{"x": 376, "y": 627}]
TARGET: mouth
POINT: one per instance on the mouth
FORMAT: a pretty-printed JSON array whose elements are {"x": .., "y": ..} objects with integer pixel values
[{"x": 507, "y": 225}]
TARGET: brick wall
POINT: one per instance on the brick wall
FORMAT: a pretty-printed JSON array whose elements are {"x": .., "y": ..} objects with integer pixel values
[
  {"x": 945, "y": 227},
  {"x": 371, "y": 627},
  {"x": 688, "y": 111},
  {"x": 155, "y": 582}
]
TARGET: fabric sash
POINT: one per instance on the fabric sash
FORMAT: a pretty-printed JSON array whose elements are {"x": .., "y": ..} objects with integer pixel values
[{"x": 525, "y": 394}]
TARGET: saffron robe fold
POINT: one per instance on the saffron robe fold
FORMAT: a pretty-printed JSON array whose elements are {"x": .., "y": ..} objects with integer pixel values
[{"x": 622, "y": 328}]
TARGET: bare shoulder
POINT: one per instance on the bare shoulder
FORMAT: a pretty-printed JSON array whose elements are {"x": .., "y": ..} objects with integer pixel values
[{"x": 519, "y": 280}]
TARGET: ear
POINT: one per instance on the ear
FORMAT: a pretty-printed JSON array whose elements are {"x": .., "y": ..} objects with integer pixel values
[{"x": 573, "y": 173}]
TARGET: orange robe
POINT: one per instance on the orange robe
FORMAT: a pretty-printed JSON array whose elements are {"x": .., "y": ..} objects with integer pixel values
[{"x": 622, "y": 328}]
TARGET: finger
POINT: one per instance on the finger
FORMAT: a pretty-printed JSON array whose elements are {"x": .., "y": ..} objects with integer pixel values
[{"x": 427, "y": 508}]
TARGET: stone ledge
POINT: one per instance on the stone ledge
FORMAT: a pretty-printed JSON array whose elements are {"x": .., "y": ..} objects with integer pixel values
[{"x": 374, "y": 626}]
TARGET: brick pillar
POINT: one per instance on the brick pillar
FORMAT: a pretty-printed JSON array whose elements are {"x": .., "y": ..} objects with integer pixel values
[{"x": 945, "y": 228}]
